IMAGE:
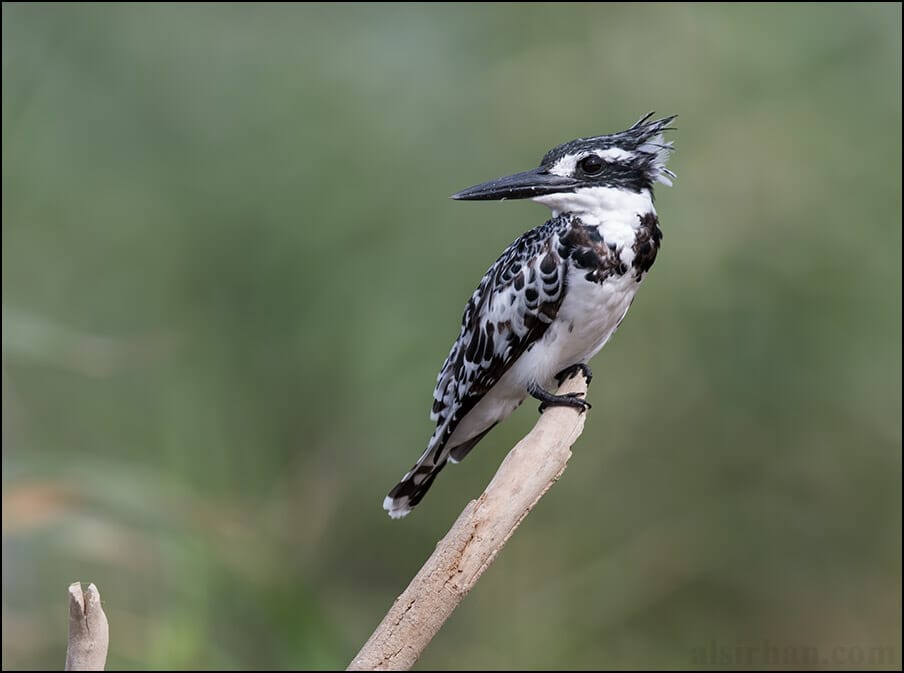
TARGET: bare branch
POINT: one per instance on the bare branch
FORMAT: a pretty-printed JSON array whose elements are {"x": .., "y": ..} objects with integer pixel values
[
  {"x": 89, "y": 633},
  {"x": 474, "y": 540}
]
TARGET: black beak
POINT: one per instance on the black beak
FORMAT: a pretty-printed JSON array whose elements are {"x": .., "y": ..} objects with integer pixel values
[{"x": 525, "y": 185}]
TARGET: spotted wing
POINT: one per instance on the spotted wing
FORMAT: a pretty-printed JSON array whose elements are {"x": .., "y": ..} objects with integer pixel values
[{"x": 512, "y": 307}]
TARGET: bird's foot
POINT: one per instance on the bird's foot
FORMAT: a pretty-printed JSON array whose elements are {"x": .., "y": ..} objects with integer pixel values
[
  {"x": 547, "y": 399},
  {"x": 569, "y": 372}
]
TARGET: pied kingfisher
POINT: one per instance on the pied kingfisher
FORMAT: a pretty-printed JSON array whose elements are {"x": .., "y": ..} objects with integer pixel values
[{"x": 554, "y": 297}]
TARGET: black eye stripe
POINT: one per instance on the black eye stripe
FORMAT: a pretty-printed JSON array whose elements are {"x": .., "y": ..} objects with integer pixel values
[{"x": 591, "y": 165}]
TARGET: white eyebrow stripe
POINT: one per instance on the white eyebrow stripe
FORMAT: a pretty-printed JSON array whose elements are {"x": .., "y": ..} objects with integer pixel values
[
  {"x": 614, "y": 154},
  {"x": 567, "y": 164}
]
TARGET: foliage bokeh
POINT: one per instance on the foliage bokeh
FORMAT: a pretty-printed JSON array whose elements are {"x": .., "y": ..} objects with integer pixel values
[{"x": 231, "y": 272}]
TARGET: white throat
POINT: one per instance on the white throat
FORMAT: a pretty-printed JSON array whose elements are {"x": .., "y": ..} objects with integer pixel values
[{"x": 595, "y": 205}]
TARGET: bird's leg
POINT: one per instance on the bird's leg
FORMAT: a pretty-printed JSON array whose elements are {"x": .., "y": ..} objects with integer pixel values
[
  {"x": 547, "y": 399},
  {"x": 568, "y": 372}
]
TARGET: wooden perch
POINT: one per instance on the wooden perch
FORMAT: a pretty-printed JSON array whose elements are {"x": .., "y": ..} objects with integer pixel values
[
  {"x": 474, "y": 540},
  {"x": 89, "y": 634}
]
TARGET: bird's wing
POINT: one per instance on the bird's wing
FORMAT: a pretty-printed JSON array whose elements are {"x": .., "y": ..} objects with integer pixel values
[{"x": 512, "y": 307}]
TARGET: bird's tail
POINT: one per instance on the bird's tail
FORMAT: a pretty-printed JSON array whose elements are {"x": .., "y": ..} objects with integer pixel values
[{"x": 414, "y": 485}]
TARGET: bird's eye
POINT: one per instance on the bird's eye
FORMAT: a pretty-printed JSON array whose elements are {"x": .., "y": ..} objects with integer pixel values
[{"x": 591, "y": 165}]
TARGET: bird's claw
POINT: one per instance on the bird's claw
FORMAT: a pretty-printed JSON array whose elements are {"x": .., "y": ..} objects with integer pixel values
[{"x": 573, "y": 400}]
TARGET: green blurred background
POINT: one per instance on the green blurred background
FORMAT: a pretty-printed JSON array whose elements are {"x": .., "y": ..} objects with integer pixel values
[{"x": 231, "y": 272}]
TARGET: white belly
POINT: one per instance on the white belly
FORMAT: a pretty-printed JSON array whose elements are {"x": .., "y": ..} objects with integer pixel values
[{"x": 588, "y": 316}]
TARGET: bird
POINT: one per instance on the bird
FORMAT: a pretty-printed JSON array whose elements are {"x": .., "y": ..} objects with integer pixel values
[{"x": 554, "y": 297}]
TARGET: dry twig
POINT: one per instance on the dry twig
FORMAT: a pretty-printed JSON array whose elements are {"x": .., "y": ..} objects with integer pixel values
[
  {"x": 475, "y": 539},
  {"x": 89, "y": 634}
]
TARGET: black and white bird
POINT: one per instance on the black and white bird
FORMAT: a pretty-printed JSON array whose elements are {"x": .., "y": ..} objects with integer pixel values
[{"x": 554, "y": 297}]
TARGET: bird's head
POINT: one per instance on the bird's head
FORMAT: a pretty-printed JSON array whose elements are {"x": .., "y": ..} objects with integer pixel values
[{"x": 582, "y": 172}]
